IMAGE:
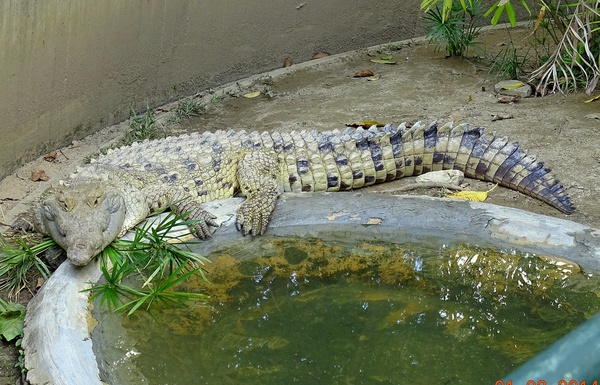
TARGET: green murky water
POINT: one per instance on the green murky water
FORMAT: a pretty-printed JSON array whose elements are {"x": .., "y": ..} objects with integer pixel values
[{"x": 312, "y": 312}]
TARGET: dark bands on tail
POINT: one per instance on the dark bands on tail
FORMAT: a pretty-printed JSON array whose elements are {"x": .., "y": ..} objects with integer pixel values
[
  {"x": 485, "y": 157},
  {"x": 394, "y": 152}
]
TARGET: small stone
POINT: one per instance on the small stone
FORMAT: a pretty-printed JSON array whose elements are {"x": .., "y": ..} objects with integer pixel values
[
  {"x": 512, "y": 88},
  {"x": 454, "y": 177}
]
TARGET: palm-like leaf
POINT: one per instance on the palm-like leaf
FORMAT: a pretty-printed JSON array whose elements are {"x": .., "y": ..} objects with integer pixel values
[{"x": 575, "y": 62}]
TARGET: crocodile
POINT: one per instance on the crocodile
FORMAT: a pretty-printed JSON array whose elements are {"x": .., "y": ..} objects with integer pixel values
[{"x": 109, "y": 196}]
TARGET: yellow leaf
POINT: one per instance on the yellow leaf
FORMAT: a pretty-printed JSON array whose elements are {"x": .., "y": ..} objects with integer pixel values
[
  {"x": 366, "y": 123},
  {"x": 373, "y": 78},
  {"x": 475, "y": 196},
  {"x": 251, "y": 95},
  {"x": 592, "y": 99},
  {"x": 513, "y": 86},
  {"x": 539, "y": 18}
]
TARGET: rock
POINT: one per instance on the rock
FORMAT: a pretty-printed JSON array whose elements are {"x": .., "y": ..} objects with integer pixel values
[
  {"x": 443, "y": 176},
  {"x": 512, "y": 88}
]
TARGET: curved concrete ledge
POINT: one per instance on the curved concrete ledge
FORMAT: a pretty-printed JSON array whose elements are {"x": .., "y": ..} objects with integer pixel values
[{"x": 58, "y": 348}]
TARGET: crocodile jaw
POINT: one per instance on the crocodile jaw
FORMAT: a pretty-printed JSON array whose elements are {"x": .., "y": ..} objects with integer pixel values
[{"x": 83, "y": 219}]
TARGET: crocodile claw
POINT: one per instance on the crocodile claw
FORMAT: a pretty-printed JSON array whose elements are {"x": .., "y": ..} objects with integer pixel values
[
  {"x": 206, "y": 220},
  {"x": 252, "y": 218}
]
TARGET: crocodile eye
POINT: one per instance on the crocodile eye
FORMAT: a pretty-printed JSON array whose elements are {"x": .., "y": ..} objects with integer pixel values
[
  {"x": 66, "y": 203},
  {"x": 94, "y": 200}
]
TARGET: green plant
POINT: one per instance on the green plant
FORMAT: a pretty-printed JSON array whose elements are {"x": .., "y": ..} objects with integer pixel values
[
  {"x": 155, "y": 256},
  {"x": 575, "y": 28},
  {"x": 18, "y": 258},
  {"x": 186, "y": 108},
  {"x": 21, "y": 359},
  {"x": 12, "y": 317},
  {"x": 457, "y": 32},
  {"x": 575, "y": 62},
  {"x": 154, "y": 259},
  {"x": 508, "y": 63},
  {"x": 142, "y": 126},
  {"x": 498, "y": 8},
  {"x": 12, "y": 321}
]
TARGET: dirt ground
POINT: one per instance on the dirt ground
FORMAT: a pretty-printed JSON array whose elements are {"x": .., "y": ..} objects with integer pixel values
[{"x": 424, "y": 85}]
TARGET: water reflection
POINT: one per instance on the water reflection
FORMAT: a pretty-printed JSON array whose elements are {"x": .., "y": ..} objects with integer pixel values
[{"x": 311, "y": 311}]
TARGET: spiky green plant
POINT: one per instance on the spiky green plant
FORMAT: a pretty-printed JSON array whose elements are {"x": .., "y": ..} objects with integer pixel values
[
  {"x": 509, "y": 63},
  {"x": 153, "y": 257},
  {"x": 18, "y": 258},
  {"x": 457, "y": 32},
  {"x": 119, "y": 295},
  {"x": 142, "y": 126},
  {"x": 186, "y": 108}
]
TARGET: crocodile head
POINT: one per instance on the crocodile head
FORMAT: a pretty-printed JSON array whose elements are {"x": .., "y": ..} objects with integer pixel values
[{"x": 83, "y": 219}]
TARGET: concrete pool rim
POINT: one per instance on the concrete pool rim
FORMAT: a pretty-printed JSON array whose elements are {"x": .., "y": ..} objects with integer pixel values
[{"x": 57, "y": 343}]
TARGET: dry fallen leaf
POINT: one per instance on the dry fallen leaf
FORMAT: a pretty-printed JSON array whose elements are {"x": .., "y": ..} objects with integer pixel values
[
  {"x": 474, "y": 196},
  {"x": 39, "y": 175},
  {"x": 51, "y": 157},
  {"x": 509, "y": 99},
  {"x": 251, "y": 95},
  {"x": 363, "y": 74},
  {"x": 373, "y": 78},
  {"x": 501, "y": 117},
  {"x": 287, "y": 62},
  {"x": 319, "y": 55}
]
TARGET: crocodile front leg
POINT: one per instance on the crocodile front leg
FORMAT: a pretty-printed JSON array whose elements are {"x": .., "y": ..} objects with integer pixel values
[
  {"x": 180, "y": 202},
  {"x": 194, "y": 212},
  {"x": 257, "y": 175}
]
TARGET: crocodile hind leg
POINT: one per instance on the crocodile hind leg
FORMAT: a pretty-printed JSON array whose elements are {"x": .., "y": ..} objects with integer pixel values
[{"x": 258, "y": 179}]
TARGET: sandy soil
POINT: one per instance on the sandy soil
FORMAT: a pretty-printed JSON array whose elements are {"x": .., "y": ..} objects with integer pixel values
[{"x": 423, "y": 85}]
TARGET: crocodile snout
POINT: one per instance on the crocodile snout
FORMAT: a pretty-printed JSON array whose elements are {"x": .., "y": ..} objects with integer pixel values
[{"x": 81, "y": 252}]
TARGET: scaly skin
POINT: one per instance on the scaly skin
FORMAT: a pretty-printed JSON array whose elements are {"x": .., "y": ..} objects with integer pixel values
[{"x": 105, "y": 199}]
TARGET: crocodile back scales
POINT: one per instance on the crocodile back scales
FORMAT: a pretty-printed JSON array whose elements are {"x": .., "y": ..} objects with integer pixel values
[{"x": 341, "y": 160}]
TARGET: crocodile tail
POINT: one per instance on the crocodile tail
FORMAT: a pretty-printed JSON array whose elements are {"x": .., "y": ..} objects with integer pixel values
[{"x": 481, "y": 156}]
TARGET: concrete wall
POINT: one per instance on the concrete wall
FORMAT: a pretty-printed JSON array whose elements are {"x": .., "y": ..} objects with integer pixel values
[{"x": 68, "y": 67}]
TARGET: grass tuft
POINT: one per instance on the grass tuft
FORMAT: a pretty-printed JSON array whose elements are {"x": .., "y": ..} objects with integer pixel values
[{"x": 186, "y": 108}]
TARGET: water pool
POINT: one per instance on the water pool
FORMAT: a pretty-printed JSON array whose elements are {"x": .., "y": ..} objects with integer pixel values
[{"x": 347, "y": 311}]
